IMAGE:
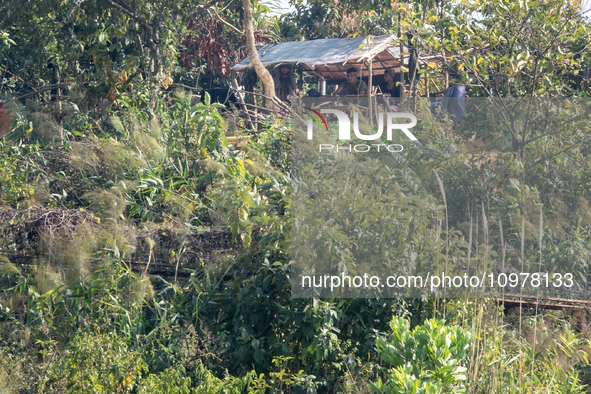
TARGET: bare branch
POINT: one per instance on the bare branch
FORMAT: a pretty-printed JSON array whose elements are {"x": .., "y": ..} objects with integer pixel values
[
  {"x": 186, "y": 87},
  {"x": 44, "y": 89},
  {"x": 200, "y": 8},
  {"x": 226, "y": 23}
]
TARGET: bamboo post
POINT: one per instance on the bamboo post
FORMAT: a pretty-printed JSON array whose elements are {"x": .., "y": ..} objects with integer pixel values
[
  {"x": 322, "y": 86},
  {"x": 369, "y": 80},
  {"x": 446, "y": 72},
  {"x": 427, "y": 81},
  {"x": 256, "y": 112},
  {"x": 235, "y": 84},
  {"x": 401, "y": 58},
  {"x": 375, "y": 109}
]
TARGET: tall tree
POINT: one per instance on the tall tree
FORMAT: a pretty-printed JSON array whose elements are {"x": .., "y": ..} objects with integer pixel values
[{"x": 261, "y": 71}]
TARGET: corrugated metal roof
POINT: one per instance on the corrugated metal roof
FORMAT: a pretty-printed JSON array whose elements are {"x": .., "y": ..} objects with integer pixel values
[{"x": 331, "y": 57}]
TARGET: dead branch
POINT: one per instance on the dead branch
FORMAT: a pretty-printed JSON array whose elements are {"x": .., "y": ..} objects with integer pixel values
[
  {"x": 45, "y": 88},
  {"x": 186, "y": 87}
]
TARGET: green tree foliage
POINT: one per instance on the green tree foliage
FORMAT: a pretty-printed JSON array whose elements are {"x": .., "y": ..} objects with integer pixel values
[
  {"x": 330, "y": 19},
  {"x": 518, "y": 49},
  {"x": 98, "y": 362},
  {"x": 61, "y": 42}
]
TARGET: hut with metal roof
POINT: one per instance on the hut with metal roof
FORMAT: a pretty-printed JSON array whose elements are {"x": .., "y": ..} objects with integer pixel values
[{"x": 329, "y": 58}]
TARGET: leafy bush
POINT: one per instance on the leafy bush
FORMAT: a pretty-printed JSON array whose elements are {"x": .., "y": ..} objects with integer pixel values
[
  {"x": 97, "y": 362},
  {"x": 175, "y": 381},
  {"x": 427, "y": 360}
]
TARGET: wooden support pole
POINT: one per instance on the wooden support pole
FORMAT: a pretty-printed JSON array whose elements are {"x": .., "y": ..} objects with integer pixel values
[
  {"x": 265, "y": 102},
  {"x": 401, "y": 58},
  {"x": 427, "y": 81},
  {"x": 437, "y": 90},
  {"x": 369, "y": 87},
  {"x": 237, "y": 88},
  {"x": 445, "y": 72},
  {"x": 375, "y": 109}
]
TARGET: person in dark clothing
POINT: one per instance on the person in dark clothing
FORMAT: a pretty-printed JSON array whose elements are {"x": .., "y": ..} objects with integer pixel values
[
  {"x": 284, "y": 82},
  {"x": 389, "y": 86},
  {"x": 352, "y": 86},
  {"x": 222, "y": 96}
]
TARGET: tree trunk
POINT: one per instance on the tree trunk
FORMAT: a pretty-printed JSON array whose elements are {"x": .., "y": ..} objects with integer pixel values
[
  {"x": 55, "y": 80},
  {"x": 261, "y": 71}
]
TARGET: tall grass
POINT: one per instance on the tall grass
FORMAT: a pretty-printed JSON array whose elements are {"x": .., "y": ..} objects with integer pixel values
[{"x": 508, "y": 362}]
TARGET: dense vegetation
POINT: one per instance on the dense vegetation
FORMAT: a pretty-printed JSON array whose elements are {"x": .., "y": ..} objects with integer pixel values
[{"x": 114, "y": 156}]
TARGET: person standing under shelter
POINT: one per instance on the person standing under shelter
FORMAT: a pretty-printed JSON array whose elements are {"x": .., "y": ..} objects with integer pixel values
[
  {"x": 389, "y": 86},
  {"x": 284, "y": 82},
  {"x": 352, "y": 86}
]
